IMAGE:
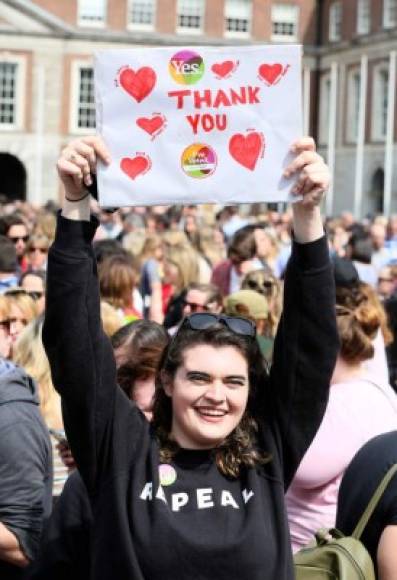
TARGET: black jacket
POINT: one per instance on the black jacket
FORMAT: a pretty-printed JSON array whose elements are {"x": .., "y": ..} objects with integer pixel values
[{"x": 185, "y": 520}]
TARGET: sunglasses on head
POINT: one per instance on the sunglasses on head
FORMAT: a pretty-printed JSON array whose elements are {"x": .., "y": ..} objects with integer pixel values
[
  {"x": 16, "y": 239},
  {"x": 205, "y": 320}
]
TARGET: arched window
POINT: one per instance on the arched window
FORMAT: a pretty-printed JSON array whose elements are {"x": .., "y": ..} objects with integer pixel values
[{"x": 13, "y": 182}]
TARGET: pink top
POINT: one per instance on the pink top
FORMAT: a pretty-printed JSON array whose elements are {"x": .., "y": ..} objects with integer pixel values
[{"x": 357, "y": 411}]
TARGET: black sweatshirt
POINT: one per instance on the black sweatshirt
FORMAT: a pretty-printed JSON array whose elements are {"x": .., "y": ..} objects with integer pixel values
[{"x": 185, "y": 520}]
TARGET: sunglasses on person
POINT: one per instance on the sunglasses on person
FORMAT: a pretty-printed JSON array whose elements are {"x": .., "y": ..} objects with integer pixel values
[
  {"x": 205, "y": 320},
  {"x": 35, "y": 294},
  {"x": 16, "y": 239},
  {"x": 194, "y": 307},
  {"x": 41, "y": 250}
]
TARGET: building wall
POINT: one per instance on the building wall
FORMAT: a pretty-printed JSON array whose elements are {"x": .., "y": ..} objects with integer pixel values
[{"x": 50, "y": 57}]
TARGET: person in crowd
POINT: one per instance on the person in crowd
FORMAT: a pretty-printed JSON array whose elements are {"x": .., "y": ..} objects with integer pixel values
[
  {"x": 34, "y": 284},
  {"x": 266, "y": 283},
  {"x": 8, "y": 265},
  {"x": 181, "y": 268},
  {"x": 118, "y": 278},
  {"x": 209, "y": 475},
  {"x": 23, "y": 309},
  {"x": 254, "y": 306},
  {"x": 359, "y": 250},
  {"x": 380, "y": 253},
  {"x": 29, "y": 354},
  {"x": 359, "y": 483},
  {"x": 199, "y": 298},
  {"x": 151, "y": 260},
  {"x": 37, "y": 252},
  {"x": 212, "y": 244},
  {"x": 14, "y": 227},
  {"x": 202, "y": 298},
  {"x": 232, "y": 221},
  {"x": 267, "y": 248},
  {"x": 360, "y": 406},
  {"x": 25, "y": 471},
  {"x": 65, "y": 551},
  {"x": 44, "y": 224},
  {"x": 227, "y": 275},
  {"x": 387, "y": 282},
  {"x": 5, "y": 338}
]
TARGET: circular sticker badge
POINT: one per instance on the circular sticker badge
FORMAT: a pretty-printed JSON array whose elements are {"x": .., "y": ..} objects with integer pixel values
[
  {"x": 186, "y": 67},
  {"x": 198, "y": 160},
  {"x": 167, "y": 474}
]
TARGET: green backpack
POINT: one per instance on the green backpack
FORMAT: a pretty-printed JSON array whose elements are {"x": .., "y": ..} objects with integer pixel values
[{"x": 334, "y": 556}]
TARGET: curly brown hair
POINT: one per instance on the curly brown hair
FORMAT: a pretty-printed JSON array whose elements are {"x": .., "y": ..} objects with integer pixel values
[{"x": 239, "y": 449}]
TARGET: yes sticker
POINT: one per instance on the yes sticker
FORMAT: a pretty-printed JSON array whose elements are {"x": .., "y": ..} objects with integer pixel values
[
  {"x": 186, "y": 67},
  {"x": 198, "y": 160}
]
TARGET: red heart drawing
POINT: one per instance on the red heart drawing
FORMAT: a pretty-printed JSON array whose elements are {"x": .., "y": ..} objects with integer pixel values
[
  {"x": 222, "y": 69},
  {"x": 271, "y": 73},
  {"x": 138, "y": 84},
  {"x": 246, "y": 149},
  {"x": 152, "y": 125},
  {"x": 135, "y": 166}
]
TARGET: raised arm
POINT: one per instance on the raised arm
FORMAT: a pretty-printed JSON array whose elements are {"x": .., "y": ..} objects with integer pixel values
[
  {"x": 80, "y": 355},
  {"x": 306, "y": 344}
]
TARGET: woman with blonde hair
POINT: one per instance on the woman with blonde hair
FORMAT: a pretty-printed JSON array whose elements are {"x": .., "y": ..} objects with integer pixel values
[
  {"x": 23, "y": 309},
  {"x": 181, "y": 268},
  {"x": 30, "y": 355},
  {"x": 151, "y": 261},
  {"x": 360, "y": 406},
  {"x": 37, "y": 252}
]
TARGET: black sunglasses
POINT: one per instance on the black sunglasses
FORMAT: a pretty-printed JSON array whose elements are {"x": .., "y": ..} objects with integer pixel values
[
  {"x": 204, "y": 320},
  {"x": 16, "y": 239}
]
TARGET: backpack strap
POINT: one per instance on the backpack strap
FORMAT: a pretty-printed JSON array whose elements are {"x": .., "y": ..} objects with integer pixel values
[{"x": 369, "y": 510}]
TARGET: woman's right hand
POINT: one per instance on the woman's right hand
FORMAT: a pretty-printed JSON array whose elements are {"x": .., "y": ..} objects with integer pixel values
[
  {"x": 66, "y": 455},
  {"x": 78, "y": 162}
]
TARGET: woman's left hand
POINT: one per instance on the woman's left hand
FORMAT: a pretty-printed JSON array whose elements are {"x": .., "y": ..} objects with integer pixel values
[{"x": 313, "y": 175}]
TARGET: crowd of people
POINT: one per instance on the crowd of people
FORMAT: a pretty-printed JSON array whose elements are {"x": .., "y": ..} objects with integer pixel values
[{"x": 208, "y": 427}]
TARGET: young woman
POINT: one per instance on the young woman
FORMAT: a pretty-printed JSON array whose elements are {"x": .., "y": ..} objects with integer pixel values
[{"x": 200, "y": 493}]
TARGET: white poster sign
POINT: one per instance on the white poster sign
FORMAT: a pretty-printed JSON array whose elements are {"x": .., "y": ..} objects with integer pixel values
[{"x": 197, "y": 125}]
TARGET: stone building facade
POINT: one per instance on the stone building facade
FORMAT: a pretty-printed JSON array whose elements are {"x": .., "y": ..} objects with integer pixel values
[{"x": 46, "y": 77}]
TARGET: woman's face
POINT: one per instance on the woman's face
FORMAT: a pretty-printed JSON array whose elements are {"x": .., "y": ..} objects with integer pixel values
[
  {"x": 38, "y": 257},
  {"x": 209, "y": 395}
]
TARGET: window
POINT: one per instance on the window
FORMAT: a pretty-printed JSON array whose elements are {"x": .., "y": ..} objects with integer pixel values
[
  {"x": 11, "y": 93},
  {"x": 83, "y": 99},
  {"x": 238, "y": 18},
  {"x": 92, "y": 12},
  {"x": 141, "y": 14},
  {"x": 389, "y": 13},
  {"x": 325, "y": 103},
  {"x": 380, "y": 103},
  {"x": 363, "y": 16},
  {"x": 353, "y": 105},
  {"x": 190, "y": 15},
  {"x": 285, "y": 22},
  {"x": 335, "y": 21}
]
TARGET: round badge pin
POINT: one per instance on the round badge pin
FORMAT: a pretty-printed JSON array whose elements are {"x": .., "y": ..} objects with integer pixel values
[
  {"x": 199, "y": 160},
  {"x": 167, "y": 474}
]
